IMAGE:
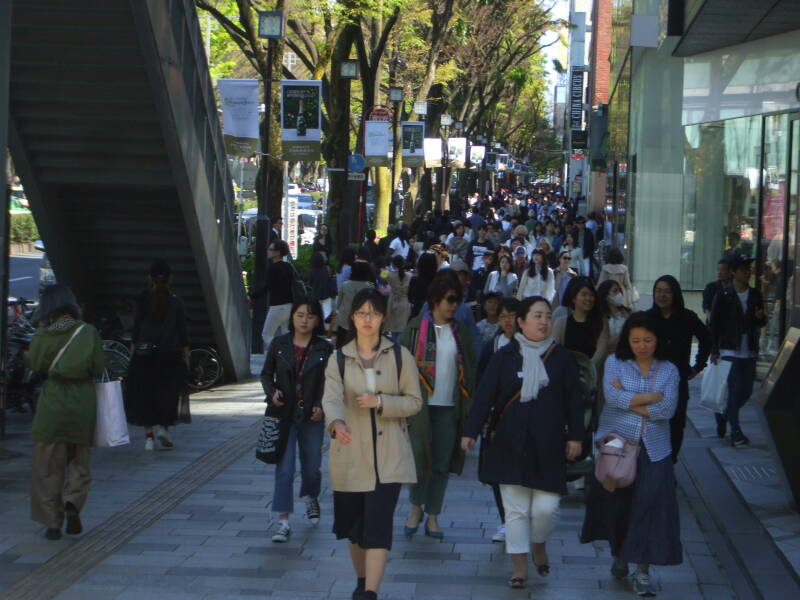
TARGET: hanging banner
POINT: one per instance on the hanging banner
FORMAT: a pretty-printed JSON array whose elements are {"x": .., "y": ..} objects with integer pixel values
[
  {"x": 457, "y": 152},
  {"x": 240, "y": 101},
  {"x": 476, "y": 154},
  {"x": 491, "y": 161},
  {"x": 413, "y": 135},
  {"x": 376, "y": 143},
  {"x": 301, "y": 119},
  {"x": 502, "y": 162},
  {"x": 433, "y": 152}
]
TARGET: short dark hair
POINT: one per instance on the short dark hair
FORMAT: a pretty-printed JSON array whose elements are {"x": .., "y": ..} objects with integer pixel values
[
  {"x": 615, "y": 256},
  {"x": 444, "y": 281},
  {"x": 595, "y": 318},
  {"x": 527, "y": 303},
  {"x": 491, "y": 296},
  {"x": 56, "y": 300},
  {"x": 315, "y": 308},
  {"x": 280, "y": 246},
  {"x": 361, "y": 271},
  {"x": 509, "y": 304},
  {"x": 367, "y": 294},
  {"x": 638, "y": 319}
]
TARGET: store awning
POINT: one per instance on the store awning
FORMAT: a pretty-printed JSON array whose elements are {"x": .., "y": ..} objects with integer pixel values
[{"x": 720, "y": 23}]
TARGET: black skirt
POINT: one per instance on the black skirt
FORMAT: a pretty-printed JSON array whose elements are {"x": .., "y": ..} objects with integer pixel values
[
  {"x": 642, "y": 522},
  {"x": 152, "y": 388},
  {"x": 366, "y": 518}
]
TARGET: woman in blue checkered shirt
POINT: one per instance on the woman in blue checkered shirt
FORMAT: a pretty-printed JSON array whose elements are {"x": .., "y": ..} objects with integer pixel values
[{"x": 640, "y": 522}]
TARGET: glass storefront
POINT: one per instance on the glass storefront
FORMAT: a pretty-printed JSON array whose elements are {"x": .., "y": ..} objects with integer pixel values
[{"x": 741, "y": 197}]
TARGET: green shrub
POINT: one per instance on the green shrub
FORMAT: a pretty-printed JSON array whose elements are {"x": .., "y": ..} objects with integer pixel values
[{"x": 23, "y": 228}]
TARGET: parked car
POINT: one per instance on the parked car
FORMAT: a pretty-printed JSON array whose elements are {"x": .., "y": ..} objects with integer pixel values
[{"x": 46, "y": 274}]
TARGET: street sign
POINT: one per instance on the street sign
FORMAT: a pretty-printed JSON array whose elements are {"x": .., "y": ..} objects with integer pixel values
[
  {"x": 356, "y": 176},
  {"x": 356, "y": 162},
  {"x": 380, "y": 113}
]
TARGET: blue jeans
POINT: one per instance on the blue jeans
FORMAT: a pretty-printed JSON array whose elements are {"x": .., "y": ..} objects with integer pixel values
[
  {"x": 740, "y": 386},
  {"x": 308, "y": 435}
]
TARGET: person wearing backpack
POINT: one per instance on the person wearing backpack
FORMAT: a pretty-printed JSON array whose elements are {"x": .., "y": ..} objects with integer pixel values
[
  {"x": 70, "y": 352},
  {"x": 370, "y": 389}
]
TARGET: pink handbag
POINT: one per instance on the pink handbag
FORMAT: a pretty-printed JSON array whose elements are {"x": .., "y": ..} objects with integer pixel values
[{"x": 617, "y": 464}]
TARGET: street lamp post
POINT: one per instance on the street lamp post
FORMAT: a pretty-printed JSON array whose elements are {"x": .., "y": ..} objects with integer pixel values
[
  {"x": 396, "y": 96},
  {"x": 446, "y": 121},
  {"x": 349, "y": 70},
  {"x": 421, "y": 110},
  {"x": 271, "y": 26},
  {"x": 459, "y": 127}
]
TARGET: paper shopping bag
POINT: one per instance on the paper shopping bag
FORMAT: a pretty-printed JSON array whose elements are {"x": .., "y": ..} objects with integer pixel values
[
  {"x": 112, "y": 426},
  {"x": 714, "y": 388}
]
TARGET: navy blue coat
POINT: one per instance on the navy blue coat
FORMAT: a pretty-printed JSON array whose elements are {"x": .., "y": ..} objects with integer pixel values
[{"x": 529, "y": 447}]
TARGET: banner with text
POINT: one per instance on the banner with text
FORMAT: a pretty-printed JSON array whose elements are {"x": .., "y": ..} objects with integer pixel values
[
  {"x": 301, "y": 119},
  {"x": 413, "y": 136},
  {"x": 376, "y": 143},
  {"x": 457, "y": 152},
  {"x": 240, "y": 102},
  {"x": 433, "y": 152},
  {"x": 476, "y": 154}
]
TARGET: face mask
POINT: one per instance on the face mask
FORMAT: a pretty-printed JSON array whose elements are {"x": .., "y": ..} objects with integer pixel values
[{"x": 616, "y": 300}]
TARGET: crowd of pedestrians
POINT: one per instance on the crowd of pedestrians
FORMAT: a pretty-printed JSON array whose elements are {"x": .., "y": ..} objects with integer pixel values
[{"x": 505, "y": 326}]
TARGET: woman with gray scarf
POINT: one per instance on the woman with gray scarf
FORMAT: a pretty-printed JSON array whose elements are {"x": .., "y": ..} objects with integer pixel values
[{"x": 529, "y": 396}]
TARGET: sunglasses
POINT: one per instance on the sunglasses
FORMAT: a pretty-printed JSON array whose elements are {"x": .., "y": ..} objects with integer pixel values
[{"x": 453, "y": 299}]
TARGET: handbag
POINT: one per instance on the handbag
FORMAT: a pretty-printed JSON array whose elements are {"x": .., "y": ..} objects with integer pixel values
[
  {"x": 714, "y": 388},
  {"x": 299, "y": 288},
  {"x": 617, "y": 457},
  {"x": 273, "y": 436},
  {"x": 112, "y": 427}
]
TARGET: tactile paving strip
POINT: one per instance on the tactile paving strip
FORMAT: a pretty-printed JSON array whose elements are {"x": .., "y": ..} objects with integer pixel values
[{"x": 66, "y": 567}]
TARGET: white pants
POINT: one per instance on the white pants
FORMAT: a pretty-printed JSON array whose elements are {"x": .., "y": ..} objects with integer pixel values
[
  {"x": 327, "y": 307},
  {"x": 276, "y": 323},
  {"x": 531, "y": 516}
]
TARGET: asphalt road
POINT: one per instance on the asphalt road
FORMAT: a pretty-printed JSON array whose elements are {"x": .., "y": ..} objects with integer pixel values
[{"x": 24, "y": 276}]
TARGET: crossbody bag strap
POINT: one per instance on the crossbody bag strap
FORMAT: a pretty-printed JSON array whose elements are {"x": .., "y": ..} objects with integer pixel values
[{"x": 64, "y": 347}]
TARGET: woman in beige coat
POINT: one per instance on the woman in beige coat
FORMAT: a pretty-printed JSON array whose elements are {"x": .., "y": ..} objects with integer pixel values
[{"x": 370, "y": 455}]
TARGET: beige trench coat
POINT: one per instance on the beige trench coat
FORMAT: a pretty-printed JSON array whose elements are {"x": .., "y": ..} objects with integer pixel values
[{"x": 352, "y": 467}]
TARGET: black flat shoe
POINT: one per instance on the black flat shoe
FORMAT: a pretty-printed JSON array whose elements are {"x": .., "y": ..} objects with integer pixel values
[
  {"x": 74, "y": 525},
  {"x": 722, "y": 425},
  {"x": 543, "y": 570},
  {"x": 518, "y": 583},
  {"x": 53, "y": 534}
]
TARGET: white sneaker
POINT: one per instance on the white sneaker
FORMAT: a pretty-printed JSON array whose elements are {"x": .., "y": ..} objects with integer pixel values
[
  {"x": 642, "y": 584},
  {"x": 500, "y": 534},
  {"x": 163, "y": 438},
  {"x": 149, "y": 444},
  {"x": 283, "y": 533}
]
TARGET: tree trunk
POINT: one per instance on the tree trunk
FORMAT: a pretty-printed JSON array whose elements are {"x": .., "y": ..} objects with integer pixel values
[{"x": 383, "y": 195}]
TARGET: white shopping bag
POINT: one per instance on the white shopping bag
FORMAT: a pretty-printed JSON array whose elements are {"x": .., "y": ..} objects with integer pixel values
[
  {"x": 714, "y": 388},
  {"x": 112, "y": 426}
]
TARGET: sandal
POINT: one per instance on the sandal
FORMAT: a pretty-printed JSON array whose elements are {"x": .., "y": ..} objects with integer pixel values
[{"x": 517, "y": 583}]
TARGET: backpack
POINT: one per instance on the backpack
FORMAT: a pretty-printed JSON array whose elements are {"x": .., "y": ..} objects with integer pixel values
[{"x": 398, "y": 361}]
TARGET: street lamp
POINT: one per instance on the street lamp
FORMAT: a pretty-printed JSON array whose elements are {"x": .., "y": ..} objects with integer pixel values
[
  {"x": 396, "y": 96},
  {"x": 421, "y": 108},
  {"x": 446, "y": 121},
  {"x": 459, "y": 125},
  {"x": 271, "y": 27},
  {"x": 349, "y": 69}
]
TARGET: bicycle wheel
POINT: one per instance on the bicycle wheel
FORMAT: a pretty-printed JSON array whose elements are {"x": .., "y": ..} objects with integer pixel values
[
  {"x": 205, "y": 369},
  {"x": 117, "y": 346},
  {"x": 116, "y": 363}
]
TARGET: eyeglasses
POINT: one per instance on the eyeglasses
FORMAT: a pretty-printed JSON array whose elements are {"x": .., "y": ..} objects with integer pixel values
[
  {"x": 566, "y": 258},
  {"x": 366, "y": 316},
  {"x": 452, "y": 299}
]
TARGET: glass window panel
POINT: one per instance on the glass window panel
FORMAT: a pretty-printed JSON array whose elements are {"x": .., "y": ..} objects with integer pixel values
[
  {"x": 792, "y": 291},
  {"x": 773, "y": 222}
]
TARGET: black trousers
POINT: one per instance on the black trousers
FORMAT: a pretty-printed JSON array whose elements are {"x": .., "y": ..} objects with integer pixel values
[{"x": 678, "y": 421}]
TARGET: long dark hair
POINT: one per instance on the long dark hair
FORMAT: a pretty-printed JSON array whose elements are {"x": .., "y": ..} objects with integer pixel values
[
  {"x": 532, "y": 265},
  {"x": 399, "y": 263},
  {"x": 603, "y": 292},
  {"x": 594, "y": 319},
  {"x": 371, "y": 295},
  {"x": 638, "y": 319},
  {"x": 160, "y": 277},
  {"x": 677, "y": 294}
]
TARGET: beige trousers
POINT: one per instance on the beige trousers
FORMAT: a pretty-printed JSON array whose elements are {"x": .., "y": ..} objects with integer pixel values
[{"x": 60, "y": 475}]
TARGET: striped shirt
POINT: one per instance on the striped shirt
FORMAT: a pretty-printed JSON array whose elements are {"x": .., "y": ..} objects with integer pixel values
[{"x": 617, "y": 416}]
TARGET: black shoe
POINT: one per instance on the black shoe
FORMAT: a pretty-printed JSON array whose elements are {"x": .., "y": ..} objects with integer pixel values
[
  {"x": 722, "y": 425},
  {"x": 74, "y": 525},
  {"x": 312, "y": 511},
  {"x": 369, "y": 595},
  {"x": 358, "y": 593},
  {"x": 53, "y": 533},
  {"x": 619, "y": 569},
  {"x": 739, "y": 439}
]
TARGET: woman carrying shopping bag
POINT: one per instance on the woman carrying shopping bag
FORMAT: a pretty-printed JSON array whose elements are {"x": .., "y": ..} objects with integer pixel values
[
  {"x": 160, "y": 353},
  {"x": 70, "y": 352},
  {"x": 293, "y": 379}
]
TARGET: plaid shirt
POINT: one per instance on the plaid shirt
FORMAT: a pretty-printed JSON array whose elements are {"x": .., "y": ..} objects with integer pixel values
[{"x": 617, "y": 416}]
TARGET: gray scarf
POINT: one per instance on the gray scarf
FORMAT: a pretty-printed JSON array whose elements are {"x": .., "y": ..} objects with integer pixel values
[{"x": 534, "y": 375}]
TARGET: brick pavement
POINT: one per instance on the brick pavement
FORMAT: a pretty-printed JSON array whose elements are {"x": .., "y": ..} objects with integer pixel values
[{"x": 216, "y": 543}]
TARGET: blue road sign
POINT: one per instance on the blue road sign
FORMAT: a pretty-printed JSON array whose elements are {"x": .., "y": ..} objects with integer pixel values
[{"x": 356, "y": 162}]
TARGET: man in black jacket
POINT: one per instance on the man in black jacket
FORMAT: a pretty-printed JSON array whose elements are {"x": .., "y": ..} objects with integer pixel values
[
  {"x": 724, "y": 276},
  {"x": 737, "y": 316}
]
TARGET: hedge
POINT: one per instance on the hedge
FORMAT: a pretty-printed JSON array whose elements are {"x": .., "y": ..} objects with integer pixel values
[{"x": 23, "y": 228}]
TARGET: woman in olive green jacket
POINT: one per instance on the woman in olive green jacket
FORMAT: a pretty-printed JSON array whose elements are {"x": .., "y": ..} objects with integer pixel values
[
  {"x": 70, "y": 352},
  {"x": 445, "y": 360}
]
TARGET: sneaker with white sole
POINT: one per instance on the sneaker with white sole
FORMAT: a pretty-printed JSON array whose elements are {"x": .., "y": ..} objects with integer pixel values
[
  {"x": 312, "y": 511},
  {"x": 642, "y": 584},
  {"x": 283, "y": 534},
  {"x": 163, "y": 438},
  {"x": 500, "y": 534},
  {"x": 149, "y": 444}
]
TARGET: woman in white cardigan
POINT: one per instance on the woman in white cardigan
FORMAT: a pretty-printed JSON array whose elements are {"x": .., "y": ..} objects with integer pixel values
[{"x": 538, "y": 279}]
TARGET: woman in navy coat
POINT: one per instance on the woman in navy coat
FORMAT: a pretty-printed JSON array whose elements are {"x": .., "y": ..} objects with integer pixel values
[{"x": 534, "y": 383}]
